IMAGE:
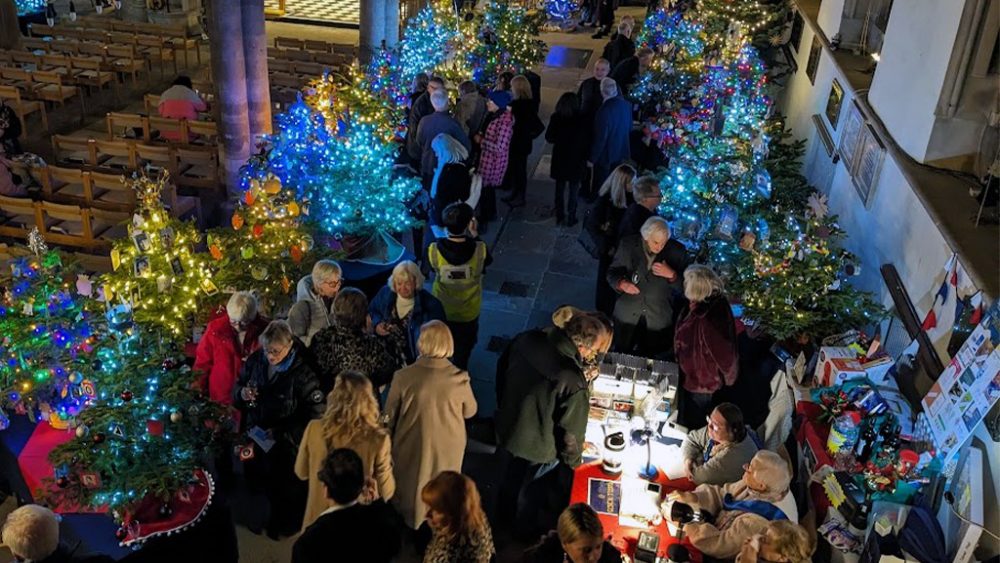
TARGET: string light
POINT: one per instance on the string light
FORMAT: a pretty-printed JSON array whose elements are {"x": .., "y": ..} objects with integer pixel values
[{"x": 28, "y": 7}]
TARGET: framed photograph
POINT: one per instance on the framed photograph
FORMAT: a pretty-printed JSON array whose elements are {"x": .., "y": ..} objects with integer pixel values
[
  {"x": 176, "y": 267},
  {"x": 850, "y": 136},
  {"x": 798, "y": 24},
  {"x": 833, "y": 103},
  {"x": 141, "y": 241},
  {"x": 813, "y": 63},
  {"x": 167, "y": 237},
  {"x": 869, "y": 164},
  {"x": 141, "y": 266}
]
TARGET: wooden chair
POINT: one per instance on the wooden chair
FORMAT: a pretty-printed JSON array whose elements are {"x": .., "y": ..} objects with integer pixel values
[
  {"x": 179, "y": 41},
  {"x": 330, "y": 60},
  {"x": 343, "y": 49},
  {"x": 35, "y": 44},
  {"x": 77, "y": 151},
  {"x": 12, "y": 96},
  {"x": 318, "y": 46},
  {"x": 169, "y": 129},
  {"x": 97, "y": 35},
  {"x": 126, "y": 59},
  {"x": 66, "y": 185},
  {"x": 96, "y": 263},
  {"x": 130, "y": 126},
  {"x": 67, "y": 224},
  {"x": 152, "y": 103},
  {"x": 18, "y": 216},
  {"x": 198, "y": 169},
  {"x": 26, "y": 59},
  {"x": 203, "y": 132},
  {"x": 50, "y": 87},
  {"x": 289, "y": 43},
  {"x": 18, "y": 78},
  {"x": 92, "y": 49},
  {"x": 181, "y": 206},
  {"x": 65, "y": 46},
  {"x": 122, "y": 38},
  {"x": 309, "y": 69},
  {"x": 157, "y": 50},
  {"x": 57, "y": 63},
  {"x": 279, "y": 65},
  {"x": 90, "y": 73},
  {"x": 115, "y": 194},
  {"x": 157, "y": 156},
  {"x": 108, "y": 226},
  {"x": 117, "y": 154},
  {"x": 302, "y": 56}
]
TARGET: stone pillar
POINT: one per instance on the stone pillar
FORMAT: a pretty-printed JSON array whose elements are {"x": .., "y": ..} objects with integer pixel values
[
  {"x": 10, "y": 33},
  {"x": 255, "y": 56},
  {"x": 229, "y": 70},
  {"x": 372, "y": 28},
  {"x": 391, "y": 23}
]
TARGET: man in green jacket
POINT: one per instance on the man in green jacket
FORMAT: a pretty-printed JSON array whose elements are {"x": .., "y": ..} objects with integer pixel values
[{"x": 543, "y": 400}]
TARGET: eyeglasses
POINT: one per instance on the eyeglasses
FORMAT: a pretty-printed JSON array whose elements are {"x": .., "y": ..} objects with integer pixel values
[
  {"x": 332, "y": 283},
  {"x": 712, "y": 424}
]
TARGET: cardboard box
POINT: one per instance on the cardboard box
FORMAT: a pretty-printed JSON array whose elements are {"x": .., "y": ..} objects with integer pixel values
[
  {"x": 829, "y": 353},
  {"x": 812, "y": 437},
  {"x": 878, "y": 368},
  {"x": 839, "y": 370}
]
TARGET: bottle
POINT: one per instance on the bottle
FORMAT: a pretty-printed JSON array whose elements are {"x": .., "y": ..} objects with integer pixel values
[
  {"x": 866, "y": 444},
  {"x": 844, "y": 432}
]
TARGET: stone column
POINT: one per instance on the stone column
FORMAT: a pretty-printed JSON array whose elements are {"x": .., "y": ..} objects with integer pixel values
[
  {"x": 255, "y": 56},
  {"x": 372, "y": 28},
  {"x": 229, "y": 70},
  {"x": 391, "y": 23},
  {"x": 10, "y": 33}
]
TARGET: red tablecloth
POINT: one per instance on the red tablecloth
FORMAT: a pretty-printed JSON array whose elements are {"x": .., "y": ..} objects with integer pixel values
[
  {"x": 624, "y": 538},
  {"x": 34, "y": 460}
]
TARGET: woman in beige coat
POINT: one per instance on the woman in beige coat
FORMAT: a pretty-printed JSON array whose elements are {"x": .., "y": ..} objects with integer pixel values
[
  {"x": 428, "y": 403},
  {"x": 351, "y": 421}
]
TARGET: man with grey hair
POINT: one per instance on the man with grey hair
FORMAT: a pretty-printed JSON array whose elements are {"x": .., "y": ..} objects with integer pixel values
[
  {"x": 31, "y": 533},
  {"x": 420, "y": 109},
  {"x": 227, "y": 342},
  {"x": 433, "y": 125},
  {"x": 648, "y": 274},
  {"x": 313, "y": 309},
  {"x": 612, "y": 126}
]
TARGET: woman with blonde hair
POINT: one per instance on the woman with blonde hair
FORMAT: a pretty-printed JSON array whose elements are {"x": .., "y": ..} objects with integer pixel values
[
  {"x": 351, "y": 421},
  {"x": 705, "y": 344},
  {"x": 427, "y": 406},
  {"x": 460, "y": 531},
  {"x": 527, "y": 126},
  {"x": 782, "y": 541},
  {"x": 451, "y": 181},
  {"x": 578, "y": 538},
  {"x": 402, "y": 307},
  {"x": 602, "y": 222}
]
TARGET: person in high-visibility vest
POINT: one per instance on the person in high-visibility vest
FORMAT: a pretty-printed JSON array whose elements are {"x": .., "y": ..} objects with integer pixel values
[{"x": 459, "y": 262}]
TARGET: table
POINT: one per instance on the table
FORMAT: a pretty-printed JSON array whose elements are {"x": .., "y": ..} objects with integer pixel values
[
  {"x": 34, "y": 461},
  {"x": 625, "y": 538}
]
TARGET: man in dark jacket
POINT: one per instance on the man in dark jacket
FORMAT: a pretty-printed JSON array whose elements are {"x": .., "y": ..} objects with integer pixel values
[
  {"x": 648, "y": 274},
  {"x": 433, "y": 125},
  {"x": 422, "y": 107},
  {"x": 348, "y": 530},
  {"x": 647, "y": 195},
  {"x": 612, "y": 125},
  {"x": 543, "y": 400},
  {"x": 626, "y": 73},
  {"x": 621, "y": 46},
  {"x": 590, "y": 102}
]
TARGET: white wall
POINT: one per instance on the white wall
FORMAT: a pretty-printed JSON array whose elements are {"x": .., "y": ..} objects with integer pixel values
[
  {"x": 918, "y": 46},
  {"x": 830, "y": 14}
]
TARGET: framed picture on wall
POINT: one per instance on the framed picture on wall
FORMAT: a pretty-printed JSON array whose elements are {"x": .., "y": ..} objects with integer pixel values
[
  {"x": 833, "y": 103},
  {"x": 850, "y": 136},
  {"x": 813, "y": 63},
  {"x": 869, "y": 164},
  {"x": 797, "y": 25}
]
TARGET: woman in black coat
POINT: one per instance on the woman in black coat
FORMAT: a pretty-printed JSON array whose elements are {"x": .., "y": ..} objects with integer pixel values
[
  {"x": 527, "y": 126},
  {"x": 277, "y": 393},
  {"x": 568, "y": 135},
  {"x": 614, "y": 197}
]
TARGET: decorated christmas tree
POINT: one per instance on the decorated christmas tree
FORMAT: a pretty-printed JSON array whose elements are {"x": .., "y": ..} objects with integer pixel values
[
  {"x": 267, "y": 244},
  {"x": 48, "y": 330},
  {"x": 28, "y": 7},
  {"x": 431, "y": 39},
  {"x": 754, "y": 19},
  {"x": 156, "y": 269},
  {"x": 506, "y": 40}
]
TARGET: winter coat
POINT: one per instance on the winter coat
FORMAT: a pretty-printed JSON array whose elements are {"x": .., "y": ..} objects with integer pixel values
[
  {"x": 542, "y": 398},
  {"x": 618, "y": 49},
  {"x": 657, "y": 295},
  {"x": 286, "y": 400},
  {"x": 356, "y": 533},
  {"x": 715, "y": 463},
  {"x": 452, "y": 184},
  {"x": 470, "y": 547},
  {"x": 427, "y": 406},
  {"x": 339, "y": 348},
  {"x": 612, "y": 126},
  {"x": 724, "y": 538},
  {"x": 426, "y": 308},
  {"x": 550, "y": 550},
  {"x": 626, "y": 73},
  {"x": 603, "y": 221},
  {"x": 527, "y": 126},
  {"x": 590, "y": 97},
  {"x": 219, "y": 357},
  {"x": 631, "y": 221},
  {"x": 470, "y": 111},
  {"x": 309, "y": 314},
  {"x": 568, "y": 136},
  {"x": 374, "y": 449},
  {"x": 12, "y": 128},
  {"x": 432, "y": 126},
  {"x": 780, "y": 409},
  {"x": 420, "y": 109},
  {"x": 8, "y": 186},
  {"x": 496, "y": 148},
  {"x": 705, "y": 345}
]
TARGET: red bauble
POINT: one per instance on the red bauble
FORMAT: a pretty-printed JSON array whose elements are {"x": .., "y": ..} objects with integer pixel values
[
  {"x": 99, "y": 438},
  {"x": 121, "y": 534},
  {"x": 62, "y": 482},
  {"x": 126, "y": 395}
]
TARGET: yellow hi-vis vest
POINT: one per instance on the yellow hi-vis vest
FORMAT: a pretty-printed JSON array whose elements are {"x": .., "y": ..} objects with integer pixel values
[{"x": 459, "y": 287}]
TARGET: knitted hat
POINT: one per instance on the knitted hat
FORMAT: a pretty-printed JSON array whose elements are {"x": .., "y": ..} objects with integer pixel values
[
  {"x": 771, "y": 469},
  {"x": 501, "y": 98}
]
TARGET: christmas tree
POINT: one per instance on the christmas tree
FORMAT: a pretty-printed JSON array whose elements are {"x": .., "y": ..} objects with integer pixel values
[
  {"x": 28, "y": 7},
  {"x": 267, "y": 245},
  {"x": 753, "y": 19},
  {"x": 506, "y": 40},
  {"x": 48, "y": 330},
  {"x": 430, "y": 40},
  {"x": 156, "y": 270}
]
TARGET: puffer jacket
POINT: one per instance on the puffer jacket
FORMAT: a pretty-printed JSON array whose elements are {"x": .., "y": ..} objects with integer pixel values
[
  {"x": 543, "y": 398},
  {"x": 309, "y": 314}
]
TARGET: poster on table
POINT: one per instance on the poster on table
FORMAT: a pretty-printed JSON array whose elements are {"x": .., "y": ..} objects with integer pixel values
[{"x": 968, "y": 387}]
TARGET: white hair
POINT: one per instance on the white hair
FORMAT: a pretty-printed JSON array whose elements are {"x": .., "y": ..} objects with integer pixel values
[
  {"x": 409, "y": 269},
  {"x": 439, "y": 99},
  {"x": 242, "y": 306},
  {"x": 447, "y": 149},
  {"x": 654, "y": 225},
  {"x": 323, "y": 269},
  {"x": 31, "y": 532},
  {"x": 276, "y": 332},
  {"x": 609, "y": 88},
  {"x": 701, "y": 282}
]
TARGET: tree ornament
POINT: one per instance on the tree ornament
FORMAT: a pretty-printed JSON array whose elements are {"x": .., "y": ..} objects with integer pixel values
[
  {"x": 258, "y": 230},
  {"x": 248, "y": 197},
  {"x": 62, "y": 482},
  {"x": 82, "y": 431},
  {"x": 176, "y": 416},
  {"x": 215, "y": 251},
  {"x": 237, "y": 221},
  {"x": 127, "y": 395},
  {"x": 121, "y": 534},
  {"x": 272, "y": 186},
  {"x": 99, "y": 438}
]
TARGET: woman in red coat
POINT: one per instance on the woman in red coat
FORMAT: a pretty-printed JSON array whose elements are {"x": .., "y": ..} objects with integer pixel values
[
  {"x": 228, "y": 341},
  {"x": 705, "y": 344}
]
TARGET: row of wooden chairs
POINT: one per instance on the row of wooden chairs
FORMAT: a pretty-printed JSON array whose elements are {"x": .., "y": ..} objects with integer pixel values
[
  {"x": 314, "y": 45},
  {"x": 176, "y": 131},
  {"x": 310, "y": 69},
  {"x": 71, "y": 225},
  {"x": 333, "y": 59},
  {"x": 151, "y": 47},
  {"x": 85, "y": 72},
  {"x": 22, "y": 107},
  {"x": 125, "y": 59},
  {"x": 176, "y": 39},
  {"x": 87, "y": 262},
  {"x": 189, "y": 167},
  {"x": 40, "y": 86}
]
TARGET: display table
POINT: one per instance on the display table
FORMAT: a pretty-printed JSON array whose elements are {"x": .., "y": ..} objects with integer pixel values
[
  {"x": 34, "y": 461},
  {"x": 624, "y": 538}
]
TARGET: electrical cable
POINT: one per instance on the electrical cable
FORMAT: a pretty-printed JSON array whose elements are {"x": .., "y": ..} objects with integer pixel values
[{"x": 950, "y": 499}]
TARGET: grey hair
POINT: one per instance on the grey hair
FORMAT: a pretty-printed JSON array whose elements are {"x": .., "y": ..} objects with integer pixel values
[
  {"x": 439, "y": 99},
  {"x": 31, "y": 532},
  {"x": 603, "y": 60},
  {"x": 447, "y": 149},
  {"x": 242, "y": 306},
  {"x": 653, "y": 225},
  {"x": 701, "y": 282},
  {"x": 409, "y": 269},
  {"x": 609, "y": 88},
  {"x": 323, "y": 269},
  {"x": 625, "y": 29},
  {"x": 276, "y": 332}
]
